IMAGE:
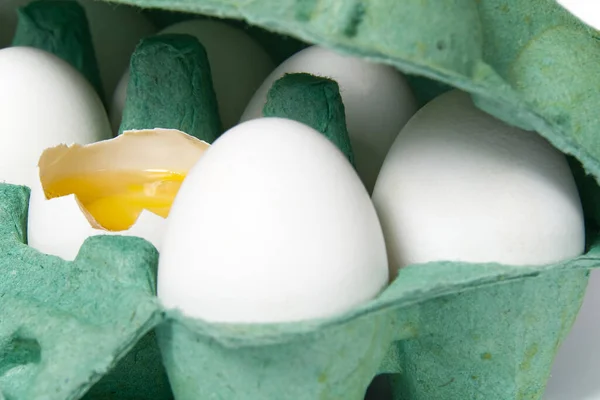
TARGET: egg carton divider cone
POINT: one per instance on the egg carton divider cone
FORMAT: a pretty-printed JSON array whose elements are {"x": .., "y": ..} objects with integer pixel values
[
  {"x": 65, "y": 324},
  {"x": 60, "y": 27},
  {"x": 445, "y": 331}
]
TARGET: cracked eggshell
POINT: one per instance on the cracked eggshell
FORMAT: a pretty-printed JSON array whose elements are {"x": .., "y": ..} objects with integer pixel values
[{"x": 60, "y": 225}]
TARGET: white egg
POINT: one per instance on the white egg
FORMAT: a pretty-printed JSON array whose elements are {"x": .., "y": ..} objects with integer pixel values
[
  {"x": 587, "y": 11},
  {"x": 574, "y": 374},
  {"x": 377, "y": 99},
  {"x": 460, "y": 185},
  {"x": 115, "y": 29},
  {"x": 58, "y": 226},
  {"x": 238, "y": 66},
  {"x": 117, "y": 104},
  {"x": 271, "y": 225},
  {"x": 43, "y": 102}
]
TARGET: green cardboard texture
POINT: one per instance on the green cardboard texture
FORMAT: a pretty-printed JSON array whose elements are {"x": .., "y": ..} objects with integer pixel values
[
  {"x": 66, "y": 324},
  {"x": 171, "y": 87},
  {"x": 139, "y": 375},
  {"x": 472, "y": 46},
  {"x": 314, "y": 101},
  {"x": 476, "y": 46},
  {"x": 61, "y": 337},
  {"x": 444, "y": 330},
  {"x": 61, "y": 28},
  {"x": 441, "y": 331}
]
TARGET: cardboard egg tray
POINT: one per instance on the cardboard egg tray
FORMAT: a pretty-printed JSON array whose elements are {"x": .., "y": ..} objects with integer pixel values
[{"x": 94, "y": 329}]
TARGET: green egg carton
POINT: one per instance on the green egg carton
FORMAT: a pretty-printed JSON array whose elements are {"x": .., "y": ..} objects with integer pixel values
[{"x": 94, "y": 329}]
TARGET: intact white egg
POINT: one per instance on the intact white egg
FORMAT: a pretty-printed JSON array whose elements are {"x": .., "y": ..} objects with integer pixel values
[
  {"x": 377, "y": 99},
  {"x": 238, "y": 65},
  {"x": 60, "y": 225},
  {"x": 587, "y": 11},
  {"x": 460, "y": 185},
  {"x": 115, "y": 29},
  {"x": 117, "y": 104},
  {"x": 574, "y": 374},
  {"x": 271, "y": 225},
  {"x": 43, "y": 102}
]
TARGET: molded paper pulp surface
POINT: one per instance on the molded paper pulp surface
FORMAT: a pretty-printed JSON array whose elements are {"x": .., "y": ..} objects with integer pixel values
[
  {"x": 171, "y": 87},
  {"x": 66, "y": 324},
  {"x": 61, "y": 28},
  {"x": 314, "y": 101},
  {"x": 444, "y": 331}
]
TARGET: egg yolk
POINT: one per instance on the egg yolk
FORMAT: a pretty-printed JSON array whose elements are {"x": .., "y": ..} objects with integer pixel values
[{"x": 115, "y": 199}]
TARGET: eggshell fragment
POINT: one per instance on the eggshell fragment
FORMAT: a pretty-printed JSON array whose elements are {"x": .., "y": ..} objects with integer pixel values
[
  {"x": 272, "y": 224},
  {"x": 43, "y": 102},
  {"x": 460, "y": 185},
  {"x": 377, "y": 99},
  {"x": 60, "y": 225}
]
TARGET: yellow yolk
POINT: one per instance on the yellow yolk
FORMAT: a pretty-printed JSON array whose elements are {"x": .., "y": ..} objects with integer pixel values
[{"x": 115, "y": 199}]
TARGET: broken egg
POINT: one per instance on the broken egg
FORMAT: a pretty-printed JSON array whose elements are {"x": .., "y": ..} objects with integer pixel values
[{"x": 122, "y": 186}]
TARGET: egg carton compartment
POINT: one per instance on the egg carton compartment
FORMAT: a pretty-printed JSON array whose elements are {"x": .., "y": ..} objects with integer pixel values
[
  {"x": 70, "y": 323},
  {"x": 94, "y": 329}
]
